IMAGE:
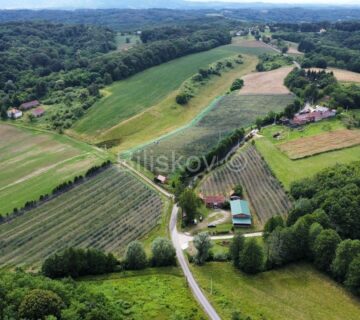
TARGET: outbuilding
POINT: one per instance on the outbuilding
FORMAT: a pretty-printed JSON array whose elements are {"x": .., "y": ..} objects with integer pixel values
[
  {"x": 38, "y": 112},
  {"x": 29, "y": 105},
  {"x": 241, "y": 216},
  {"x": 14, "y": 113}
]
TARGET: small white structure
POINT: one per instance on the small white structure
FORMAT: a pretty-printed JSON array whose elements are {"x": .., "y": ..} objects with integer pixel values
[{"x": 14, "y": 113}]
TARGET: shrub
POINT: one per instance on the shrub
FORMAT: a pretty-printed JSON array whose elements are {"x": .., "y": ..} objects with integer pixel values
[
  {"x": 163, "y": 252},
  {"x": 252, "y": 257},
  {"x": 202, "y": 244},
  {"x": 135, "y": 256}
]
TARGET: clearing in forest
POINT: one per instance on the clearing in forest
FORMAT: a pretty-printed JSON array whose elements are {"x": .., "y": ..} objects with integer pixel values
[
  {"x": 221, "y": 118},
  {"x": 33, "y": 162},
  {"x": 309, "y": 146},
  {"x": 106, "y": 212},
  {"x": 248, "y": 169},
  {"x": 270, "y": 82}
]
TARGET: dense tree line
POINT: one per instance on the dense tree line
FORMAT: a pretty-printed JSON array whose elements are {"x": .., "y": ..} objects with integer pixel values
[
  {"x": 74, "y": 262},
  {"x": 323, "y": 227}
]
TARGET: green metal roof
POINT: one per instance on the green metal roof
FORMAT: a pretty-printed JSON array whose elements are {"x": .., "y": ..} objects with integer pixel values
[{"x": 239, "y": 207}]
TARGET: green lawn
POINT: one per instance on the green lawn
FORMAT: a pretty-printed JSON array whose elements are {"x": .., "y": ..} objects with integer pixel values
[
  {"x": 296, "y": 292},
  {"x": 149, "y": 294},
  {"x": 33, "y": 162},
  {"x": 288, "y": 171}
]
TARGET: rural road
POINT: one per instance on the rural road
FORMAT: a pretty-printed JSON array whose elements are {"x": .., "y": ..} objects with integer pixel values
[{"x": 185, "y": 267}]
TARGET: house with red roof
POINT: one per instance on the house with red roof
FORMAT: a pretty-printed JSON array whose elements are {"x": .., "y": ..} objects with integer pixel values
[{"x": 29, "y": 105}]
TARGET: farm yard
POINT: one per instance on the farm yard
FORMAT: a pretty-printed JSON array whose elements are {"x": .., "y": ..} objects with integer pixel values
[
  {"x": 270, "y": 82},
  {"x": 105, "y": 212},
  {"x": 33, "y": 162},
  {"x": 248, "y": 169},
  {"x": 329, "y": 141},
  {"x": 225, "y": 115},
  {"x": 297, "y": 291},
  {"x": 160, "y": 293}
]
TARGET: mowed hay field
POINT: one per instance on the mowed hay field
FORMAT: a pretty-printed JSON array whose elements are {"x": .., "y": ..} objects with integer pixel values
[
  {"x": 32, "y": 163},
  {"x": 160, "y": 293},
  {"x": 129, "y": 97},
  {"x": 225, "y": 115},
  {"x": 296, "y": 292},
  {"x": 270, "y": 82},
  {"x": 309, "y": 146},
  {"x": 105, "y": 212},
  {"x": 342, "y": 75},
  {"x": 248, "y": 169}
]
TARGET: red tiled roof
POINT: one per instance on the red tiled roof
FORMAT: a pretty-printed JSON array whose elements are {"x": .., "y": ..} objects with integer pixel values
[
  {"x": 38, "y": 111},
  {"x": 30, "y": 104},
  {"x": 214, "y": 199}
]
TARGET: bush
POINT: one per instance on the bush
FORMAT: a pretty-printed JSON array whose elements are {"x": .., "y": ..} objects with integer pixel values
[
  {"x": 163, "y": 253},
  {"x": 353, "y": 276},
  {"x": 202, "y": 244},
  {"x": 135, "y": 256},
  {"x": 38, "y": 304},
  {"x": 236, "y": 247},
  {"x": 183, "y": 98},
  {"x": 237, "y": 84},
  {"x": 252, "y": 257}
]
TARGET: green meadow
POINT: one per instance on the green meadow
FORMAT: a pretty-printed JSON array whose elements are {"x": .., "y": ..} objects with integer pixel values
[
  {"x": 149, "y": 294},
  {"x": 293, "y": 292}
]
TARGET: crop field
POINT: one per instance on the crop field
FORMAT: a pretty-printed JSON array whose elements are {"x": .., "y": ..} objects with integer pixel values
[
  {"x": 32, "y": 163},
  {"x": 248, "y": 169},
  {"x": 228, "y": 113},
  {"x": 130, "y": 97},
  {"x": 105, "y": 212},
  {"x": 309, "y": 146},
  {"x": 270, "y": 82},
  {"x": 160, "y": 293},
  {"x": 297, "y": 292}
]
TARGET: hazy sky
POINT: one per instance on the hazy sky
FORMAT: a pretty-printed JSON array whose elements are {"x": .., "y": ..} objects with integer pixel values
[{"x": 329, "y": 2}]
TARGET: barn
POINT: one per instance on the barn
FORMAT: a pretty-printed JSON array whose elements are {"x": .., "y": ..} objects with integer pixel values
[
  {"x": 28, "y": 105},
  {"x": 240, "y": 212}
]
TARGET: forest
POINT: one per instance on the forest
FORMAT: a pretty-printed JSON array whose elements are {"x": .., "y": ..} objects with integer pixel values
[
  {"x": 324, "y": 43},
  {"x": 64, "y": 66}
]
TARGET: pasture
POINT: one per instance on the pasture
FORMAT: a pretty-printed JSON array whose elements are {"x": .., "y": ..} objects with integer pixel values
[
  {"x": 325, "y": 142},
  {"x": 296, "y": 291},
  {"x": 288, "y": 171},
  {"x": 105, "y": 212},
  {"x": 148, "y": 294},
  {"x": 33, "y": 162},
  {"x": 248, "y": 169},
  {"x": 132, "y": 96},
  {"x": 270, "y": 82},
  {"x": 222, "y": 117}
]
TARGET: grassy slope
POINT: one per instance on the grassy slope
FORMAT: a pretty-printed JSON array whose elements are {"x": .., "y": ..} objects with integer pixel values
[
  {"x": 34, "y": 162},
  {"x": 296, "y": 292},
  {"x": 288, "y": 171},
  {"x": 167, "y": 115},
  {"x": 125, "y": 99},
  {"x": 152, "y": 293}
]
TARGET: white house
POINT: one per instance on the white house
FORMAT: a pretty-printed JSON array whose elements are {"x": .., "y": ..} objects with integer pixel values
[{"x": 14, "y": 113}]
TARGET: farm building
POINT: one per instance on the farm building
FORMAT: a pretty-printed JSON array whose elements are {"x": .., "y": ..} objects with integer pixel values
[
  {"x": 241, "y": 216},
  {"x": 29, "y": 105},
  {"x": 310, "y": 114},
  {"x": 14, "y": 113},
  {"x": 214, "y": 201},
  {"x": 38, "y": 112},
  {"x": 160, "y": 179}
]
